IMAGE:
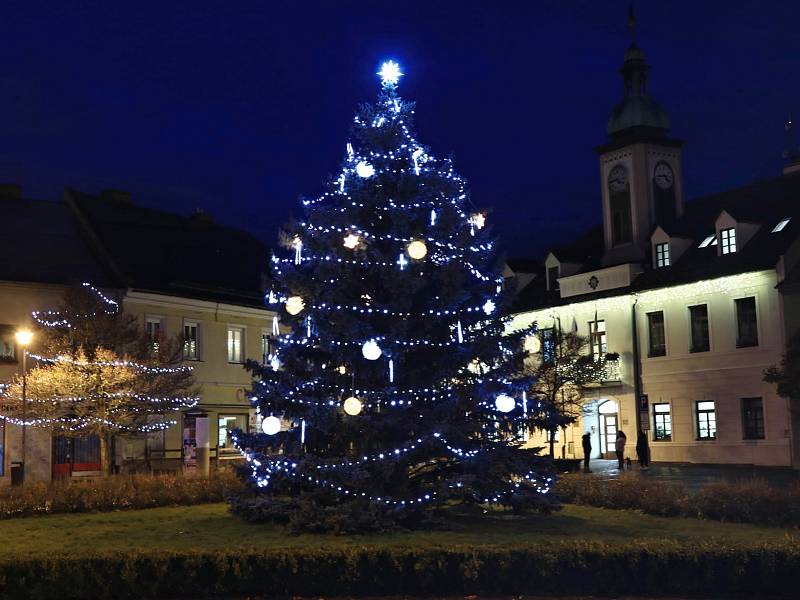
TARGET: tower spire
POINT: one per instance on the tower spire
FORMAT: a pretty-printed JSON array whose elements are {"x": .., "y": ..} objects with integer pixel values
[{"x": 632, "y": 23}]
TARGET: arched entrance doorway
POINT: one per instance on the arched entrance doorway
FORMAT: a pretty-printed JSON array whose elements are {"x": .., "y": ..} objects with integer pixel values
[{"x": 609, "y": 423}]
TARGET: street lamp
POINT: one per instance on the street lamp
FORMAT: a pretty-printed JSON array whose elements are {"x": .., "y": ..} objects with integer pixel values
[{"x": 24, "y": 337}]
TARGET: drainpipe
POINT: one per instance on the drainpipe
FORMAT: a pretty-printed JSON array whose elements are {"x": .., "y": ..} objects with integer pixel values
[{"x": 637, "y": 368}]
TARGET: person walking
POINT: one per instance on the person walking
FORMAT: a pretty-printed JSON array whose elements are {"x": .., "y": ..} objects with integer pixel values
[
  {"x": 643, "y": 450},
  {"x": 619, "y": 446},
  {"x": 587, "y": 451}
]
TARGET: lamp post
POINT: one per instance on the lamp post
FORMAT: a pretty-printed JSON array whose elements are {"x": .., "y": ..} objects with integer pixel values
[{"x": 24, "y": 337}]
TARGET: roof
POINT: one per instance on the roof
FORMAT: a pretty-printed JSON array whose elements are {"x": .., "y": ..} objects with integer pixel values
[
  {"x": 42, "y": 244},
  {"x": 158, "y": 251},
  {"x": 762, "y": 203}
]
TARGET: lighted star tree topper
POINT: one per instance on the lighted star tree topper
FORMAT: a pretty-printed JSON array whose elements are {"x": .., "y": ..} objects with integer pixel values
[{"x": 397, "y": 387}]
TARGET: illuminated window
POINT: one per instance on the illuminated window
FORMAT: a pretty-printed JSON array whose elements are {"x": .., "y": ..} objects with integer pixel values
[
  {"x": 662, "y": 255},
  {"x": 153, "y": 327},
  {"x": 662, "y": 422},
  {"x": 727, "y": 239},
  {"x": 190, "y": 340},
  {"x": 698, "y": 325},
  {"x": 266, "y": 347},
  {"x": 235, "y": 343},
  {"x": 746, "y": 322},
  {"x": 781, "y": 224},
  {"x": 706, "y": 415},
  {"x": 753, "y": 418},
  {"x": 657, "y": 339},
  {"x": 597, "y": 339},
  {"x": 226, "y": 424},
  {"x": 7, "y": 345},
  {"x": 712, "y": 239}
]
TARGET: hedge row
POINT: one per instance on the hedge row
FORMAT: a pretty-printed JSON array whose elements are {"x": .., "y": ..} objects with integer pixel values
[
  {"x": 115, "y": 493},
  {"x": 748, "y": 501},
  {"x": 564, "y": 569}
]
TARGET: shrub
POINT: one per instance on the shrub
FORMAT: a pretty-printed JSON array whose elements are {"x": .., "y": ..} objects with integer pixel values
[
  {"x": 749, "y": 501},
  {"x": 115, "y": 493},
  {"x": 564, "y": 569}
]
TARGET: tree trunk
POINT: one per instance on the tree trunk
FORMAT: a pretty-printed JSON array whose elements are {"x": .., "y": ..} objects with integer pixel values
[
  {"x": 553, "y": 443},
  {"x": 105, "y": 454}
]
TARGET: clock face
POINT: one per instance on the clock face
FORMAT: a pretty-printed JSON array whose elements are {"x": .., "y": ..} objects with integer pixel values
[
  {"x": 617, "y": 179},
  {"x": 664, "y": 176}
]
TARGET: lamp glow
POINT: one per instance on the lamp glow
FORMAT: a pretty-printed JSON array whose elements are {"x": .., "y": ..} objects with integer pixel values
[
  {"x": 417, "y": 250},
  {"x": 23, "y": 337}
]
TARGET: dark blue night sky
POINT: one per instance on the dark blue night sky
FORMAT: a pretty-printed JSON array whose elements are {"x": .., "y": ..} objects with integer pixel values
[{"x": 241, "y": 107}]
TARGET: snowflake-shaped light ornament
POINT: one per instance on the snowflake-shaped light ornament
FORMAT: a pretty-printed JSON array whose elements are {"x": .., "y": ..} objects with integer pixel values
[{"x": 390, "y": 74}]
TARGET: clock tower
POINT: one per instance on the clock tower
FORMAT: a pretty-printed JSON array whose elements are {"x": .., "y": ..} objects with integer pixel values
[{"x": 640, "y": 166}]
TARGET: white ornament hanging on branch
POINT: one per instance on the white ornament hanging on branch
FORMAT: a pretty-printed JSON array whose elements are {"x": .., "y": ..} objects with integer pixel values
[
  {"x": 459, "y": 332},
  {"x": 417, "y": 250},
  {"x": 391, "y": 371},
  {"x": 352, "y": 406},
  {"x": 433, "y": 217},
  {"x": 298, "y": 250},
  {"x": 504, "y": 403},
  {"x": 275, "y": 329},
  {"x": 371, "y": 350},
  {"x": 365, "y": 170},
  {"x": 415, "y": 157},
  {"x": 271, "y": 425}
]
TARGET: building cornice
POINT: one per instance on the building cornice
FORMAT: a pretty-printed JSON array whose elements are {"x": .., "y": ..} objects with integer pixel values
[{"x": 180, "y": 302}]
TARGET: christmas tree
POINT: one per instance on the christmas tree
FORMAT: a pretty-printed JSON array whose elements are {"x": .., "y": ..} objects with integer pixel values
[{"x": 398, "y": 388}]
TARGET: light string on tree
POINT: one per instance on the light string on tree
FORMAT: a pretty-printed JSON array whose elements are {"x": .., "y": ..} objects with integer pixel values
[
  {"x": 81, "y": 423},
  {"x": 110, "y": 363}
]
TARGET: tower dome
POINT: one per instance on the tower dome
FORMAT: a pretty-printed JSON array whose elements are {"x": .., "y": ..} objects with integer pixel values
[{"x": 637, "y": 109}]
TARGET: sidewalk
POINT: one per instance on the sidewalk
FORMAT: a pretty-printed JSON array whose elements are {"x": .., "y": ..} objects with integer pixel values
[{"x": 696, "y": 476}]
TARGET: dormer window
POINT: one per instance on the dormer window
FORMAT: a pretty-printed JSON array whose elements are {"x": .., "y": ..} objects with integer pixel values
[
  {"x": 712, "y": 239},
  {"x": 781, "y": 224},
  {"x": 662, "y": 255},
  {"x": 727, "y": 239}
]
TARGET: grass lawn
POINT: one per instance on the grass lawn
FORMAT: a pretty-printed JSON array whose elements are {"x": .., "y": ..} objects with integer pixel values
[{"x": 209, "y": 527}]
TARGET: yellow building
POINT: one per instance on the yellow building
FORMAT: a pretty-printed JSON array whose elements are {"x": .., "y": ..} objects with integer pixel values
[{"x": 183, "y": 277}]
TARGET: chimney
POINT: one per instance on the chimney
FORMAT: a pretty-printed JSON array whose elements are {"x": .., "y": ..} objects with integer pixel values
[
  {"x": 112, "y": 195},
  {"x": 10, "y": 191}
]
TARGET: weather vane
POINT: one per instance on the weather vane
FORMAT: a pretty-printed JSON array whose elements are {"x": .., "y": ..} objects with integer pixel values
[{"x": 390, "y": 74}]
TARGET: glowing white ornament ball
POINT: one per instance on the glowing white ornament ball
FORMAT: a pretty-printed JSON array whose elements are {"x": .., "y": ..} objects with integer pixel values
[
  {"x": 352, "y": 406},
  {"x": 417, "y": 250},
  {"x": 489, "y": 307},
  {"x": 271, "y": 425},
  {"x": 371, "y": 350},
  {"x": 365, "y": 170},
  {"x": 351, "y": 241},
  {"x": 295, "y": 305},
  {"x": 504, "y": 403}
]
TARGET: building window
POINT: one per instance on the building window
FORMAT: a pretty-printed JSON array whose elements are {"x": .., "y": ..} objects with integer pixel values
[
  {"x": 8, "y": 352},
  {"x": 698, "y": 324},
  {"x": 235, "y": 344},
  {"x": 597, "y": 339},
  {"x": 753, "y": 418},
  {"x": 153, "y": 330},
  {"x": 552, "y": 278},
  {"x": 746, "y": 322},
  {"x": 662, "y": 255},
  {"x": 662, "y": 422},
  {"x": 226, "y": 424},
  {"x": 706, "y": 415},
  {"x": 781, "y": 224},
  {"x": 191, "y": 350},
  {"x": 727, "y": 240},
  {"x": 267, "y": 342},
  {"x": 657, "y": 342},
  {"x": 710, "y": 240}
]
